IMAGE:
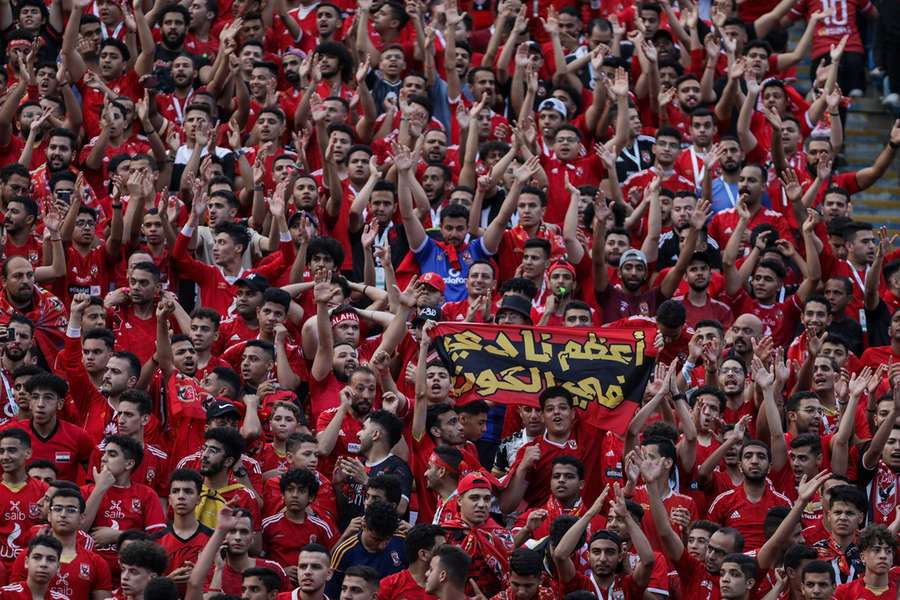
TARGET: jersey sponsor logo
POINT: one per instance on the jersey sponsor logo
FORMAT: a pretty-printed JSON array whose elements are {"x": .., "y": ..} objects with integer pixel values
[
  {"x": 14, "y": 512},
  {"x": 114, "y": 512}
]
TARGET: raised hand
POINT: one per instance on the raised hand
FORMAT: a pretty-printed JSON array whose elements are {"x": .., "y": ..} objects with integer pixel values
[{"x": 701, "y": 214}]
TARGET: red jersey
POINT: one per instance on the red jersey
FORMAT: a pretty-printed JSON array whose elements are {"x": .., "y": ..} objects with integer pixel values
[
  {"x": 512, "y": 248},
  {"x": 712, "y": 310},
  {"x": 623, "y": 587},
  {"x": 233, "y": 330},
  {"x": 584, "y": 170},
  {"x": 734, "y": 509},
  {"x": 231, "y": 579},
  {"x": 642, "y": 179},
  {"x": 723, "y": 223},
  {"x": 690, "y": 165},
  {"x": 21, "y": 591},
  {"x": 85, "y": 573},
  {"x": 584, "y": 444},
  {"x": 68, "y": 447},
  {"x": 91, "y": 273},
  {"x": 696, "y": 582},
  {"x": 133, "y": 333},
  {"x": 671, "y": 502},
  {"x": 92, "y": 99},
  {"x": 830, "y": 30},
  {"x": 183, "y": 550},
  {"x": 402, "y": 586},
  {"x": 348, "y": 438},
  {"x": 325, "y": 503},
  {"x": 283, "y": 538},
  {"x": 32, "y": 249},
  {"x": 217, "y": 292},
  {"x": 153, "y": 470},
  {"x": 857, "y": 589},
  {"x": 133, "y": 507},
  {"x": 20, "y": 507}
]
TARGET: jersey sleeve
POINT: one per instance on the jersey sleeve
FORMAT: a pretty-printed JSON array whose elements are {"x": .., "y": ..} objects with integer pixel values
[{"x": 154, "y": 519}]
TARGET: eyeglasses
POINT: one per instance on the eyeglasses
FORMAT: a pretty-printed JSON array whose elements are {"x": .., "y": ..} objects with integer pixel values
[
  {"x": 81, "y": 224},
  {"x": 729, "y": 370},
  {"x": 69, "y": 510}
]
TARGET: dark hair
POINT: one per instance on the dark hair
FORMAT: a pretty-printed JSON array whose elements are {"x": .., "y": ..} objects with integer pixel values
[
  {"x": 16, "y": 433},
  {"x": 296, "y": 439},
  {"x": 390, "y": 485},
  {"x": 68, "y": 493},
  {"x": 560, "y": 525},
  {"x": 131, "y": 448},
  {"x": 709, "y": 390},
  {"x": 556, "y": 391},
  {"x": 231, "y": 441},
  {"x": 818, "y": 566},
  {"x": 848, "y": 494},
  {"x": 542, "y": 244},
  {"x": 325, "y": 245},
  {"x": 796, "y": 554},
  {"x": 774, "y": 266},
  {"x": 421, "y": 537},
  {"x": 435, "y": 412},
  {"x": 808, "y": 439},
  {"x": 454, "y": 211},
  {"x": 475, "y": 407},
  {"x": 161, "y": 588},
  {"x": 746, "y": 564},
  {"x": 230, "y": 378},
  {"x": 671, "y": 313},
  {"x": 201, "y": 312},
  {"x": 569, "y": 461},
  {"x": 526, "y": 562},
  {"x": 47, "y": 381},
  {"x": 389, "y": 423},
  {"x": 381, "y": 519},
  {"x": 520, "y": 285},
  {"x": 140, "y": 398},
  {"x": 266, "y": 346},
  {"x": 41, "y": 463},
  {"x": 47, "y": 541},
  {"x": 187, "y": 475},
  {"x": 144, "y": 554},
  {"x": 269, "y": 578},
  {"x": 455, "y": 562},
  {"x": 148, "y": 266},
  {"x": 364, "y": 572},
  {"x": 302, "y": 478},
  {"x": 237, "y": 233},
  {"x": 667, "y": 131},
  {"x": 118, "y": 45},
  {"x": 100, "y": 333},
  {"x": 707, "y": 526}
]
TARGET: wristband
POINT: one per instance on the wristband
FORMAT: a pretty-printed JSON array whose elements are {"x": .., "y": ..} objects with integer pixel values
[
  {"x": 187, "y": 230},
  {"x": 75, "y": 332},
  {"x": 688, "y": 365},
  {"x": 679, "y": 396},
  {"x": 117, "y": 206},
  {"x": 285, "y": 236},
  {"x": 894, "y": 145}
]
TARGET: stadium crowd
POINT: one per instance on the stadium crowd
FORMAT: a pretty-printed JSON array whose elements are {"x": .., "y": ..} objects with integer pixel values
[{"x": 231, "y": 228}]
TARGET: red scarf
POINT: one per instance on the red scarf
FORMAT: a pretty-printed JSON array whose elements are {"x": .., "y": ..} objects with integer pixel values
[
  {"x": 49, "y": 317},
  {"x": 451, "y": 252},
  {"x": 489, "y": 541}
]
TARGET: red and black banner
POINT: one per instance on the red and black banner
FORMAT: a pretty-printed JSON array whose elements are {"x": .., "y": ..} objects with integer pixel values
[{"x": 605, "y": 369}]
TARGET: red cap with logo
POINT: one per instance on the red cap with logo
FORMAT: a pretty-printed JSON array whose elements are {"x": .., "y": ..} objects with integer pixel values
[{"x": 434, "y": 280}]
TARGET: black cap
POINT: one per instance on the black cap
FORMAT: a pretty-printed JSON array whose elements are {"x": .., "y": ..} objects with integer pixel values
[
  {"x": 428, "y": 313},
  {"x": 221, "y": 408},
  {"x": 253, "y": 281},
  {"x": 516, "y": 303},
  {"x": 839, "y": 225}
]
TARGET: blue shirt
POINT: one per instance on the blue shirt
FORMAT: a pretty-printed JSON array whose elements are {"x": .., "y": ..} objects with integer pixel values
[
  {"x": 432, "y": 259},
  {"x": 352, "y": 552}
]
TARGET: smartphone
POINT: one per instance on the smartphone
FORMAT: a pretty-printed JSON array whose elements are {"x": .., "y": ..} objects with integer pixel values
[{"x": 64, "y": 195}]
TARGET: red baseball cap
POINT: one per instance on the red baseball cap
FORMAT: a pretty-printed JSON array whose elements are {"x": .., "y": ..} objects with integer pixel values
[
  {"x": 434, "y": 280},
  {"x": 473, "y": 481}
]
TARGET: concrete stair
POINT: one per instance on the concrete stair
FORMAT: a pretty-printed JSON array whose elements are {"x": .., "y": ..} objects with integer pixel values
[{"x": 868, "y": 124}]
